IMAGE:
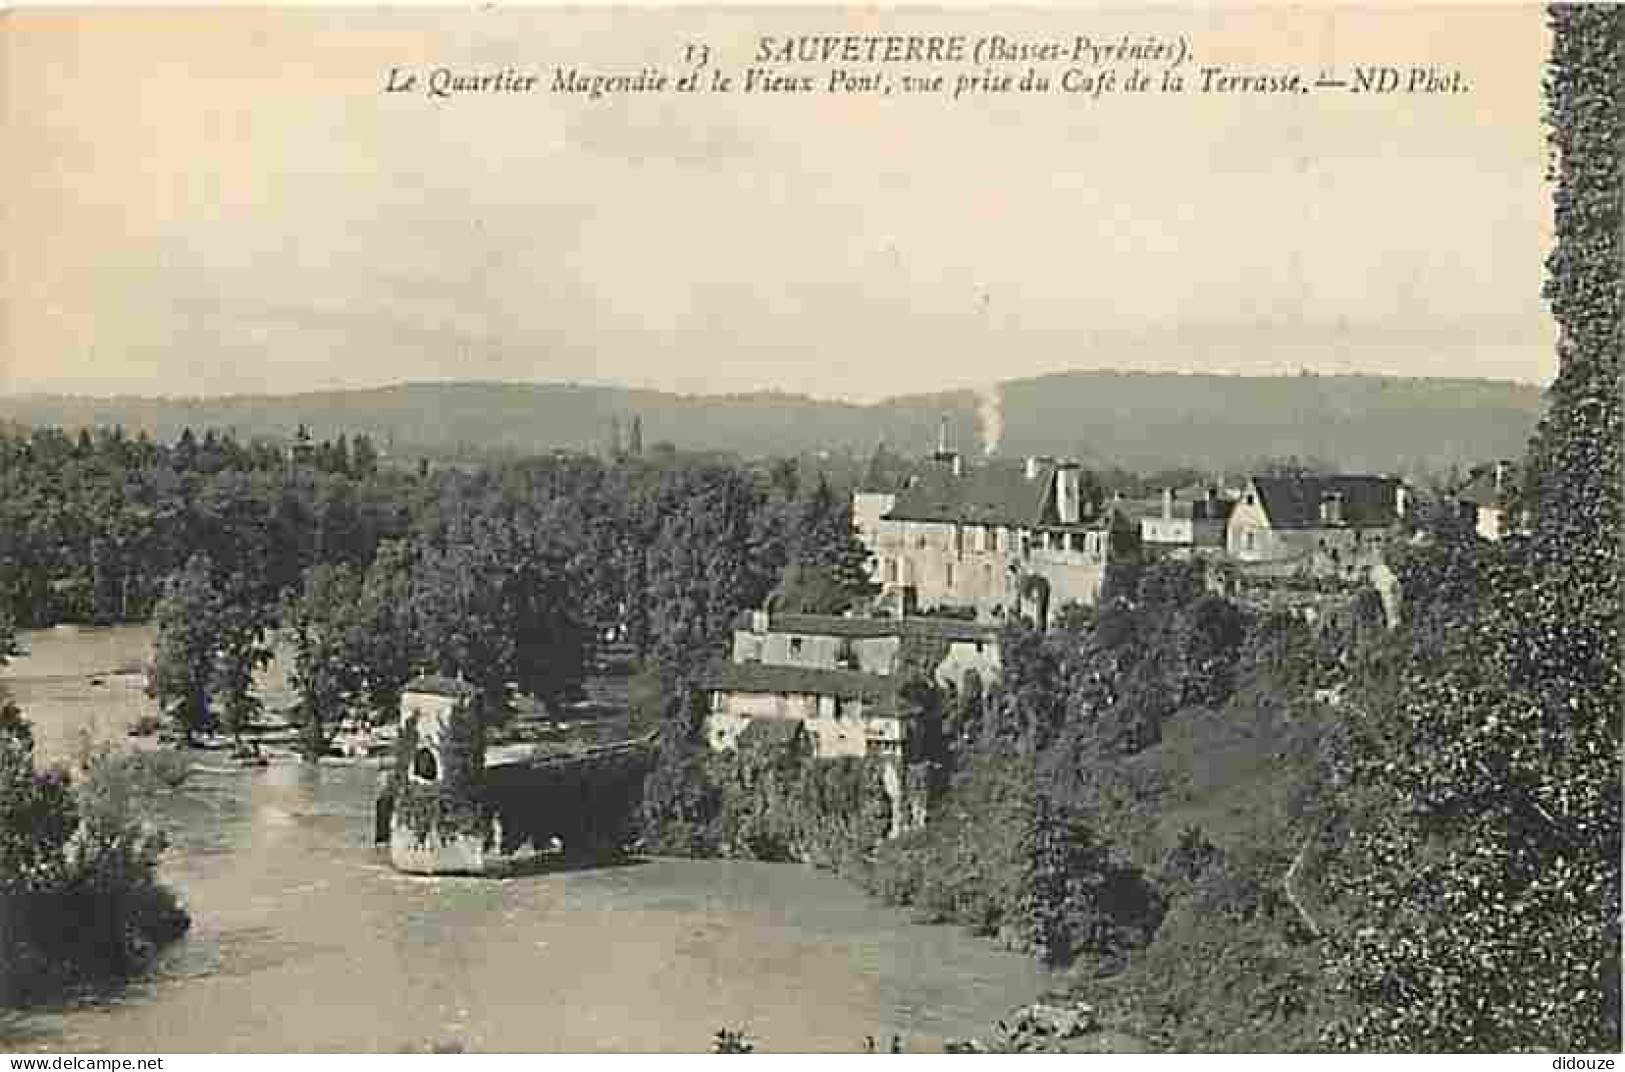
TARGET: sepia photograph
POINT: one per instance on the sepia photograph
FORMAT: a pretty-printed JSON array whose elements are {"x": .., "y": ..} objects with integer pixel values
[{"x": 701, "y": 528}]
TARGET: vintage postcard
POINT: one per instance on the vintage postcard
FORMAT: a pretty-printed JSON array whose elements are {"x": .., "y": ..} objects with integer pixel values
[{"x": 820, "y": 529}]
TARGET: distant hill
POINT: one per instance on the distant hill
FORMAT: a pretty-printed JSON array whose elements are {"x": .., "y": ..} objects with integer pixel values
[
  {"x": 1361, "y": 423},
  {"x": 1139, "y": 421}
]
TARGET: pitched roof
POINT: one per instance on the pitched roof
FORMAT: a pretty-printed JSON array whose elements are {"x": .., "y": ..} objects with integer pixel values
[
  {"x": 1294, "y": 501},
  {"x": 771, "y": 731},
  {"x": 1481, "y": 489},
  {"x": 838, "y": 626},
  {"x": 800, "y": 681},
  {"x": 436, "y": 685},
  {"x": 991, "y": 494},
  {"x": 1184, "y": 509}
]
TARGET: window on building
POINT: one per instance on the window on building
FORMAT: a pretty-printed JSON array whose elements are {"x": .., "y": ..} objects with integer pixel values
[
  {"x": 795, "y": 647},
  {"x": 948, "y": 575},
  {"x": 1247, "y": 539},
  {"x": 891, "y": 571},
  {"x": 425, "y": 767}
]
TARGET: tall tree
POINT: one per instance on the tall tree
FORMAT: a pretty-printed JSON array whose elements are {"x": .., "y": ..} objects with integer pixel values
[
  {"x": 458, "y": 603},
  {"x": 321, "y": 624},
  {"x": 241, "y": 625},
  {"x": 183, "y": 661},
  {"x": 1484, "y": 862},
  {"x": 701, "y": 573},
  {"x": 387, "y": 647},
  {"x": 494, "y": 606},
  {"x": 829, "y": 569}
]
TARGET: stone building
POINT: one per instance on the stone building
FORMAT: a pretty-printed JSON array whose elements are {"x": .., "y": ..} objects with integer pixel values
[
  {"x": 839, "y": 676},
  {"x": 1325, "y": 522},
  {"x": 844, "y": 712},
  {"x": 1482, "y": 501},
  {"x": 1187, "y": 521},
  {"x": 983, "y": 539},
  {"x": 434, "y": 710},
  {"x": 836, "y": 685}
]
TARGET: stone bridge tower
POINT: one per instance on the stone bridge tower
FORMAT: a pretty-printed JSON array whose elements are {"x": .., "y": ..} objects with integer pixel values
[
  {"x": 439, "y": 823},
  {"x": 444, "y": 811}
]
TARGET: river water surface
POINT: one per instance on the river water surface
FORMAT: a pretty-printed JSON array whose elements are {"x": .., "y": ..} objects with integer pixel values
[{"x": 304, "y": 939}]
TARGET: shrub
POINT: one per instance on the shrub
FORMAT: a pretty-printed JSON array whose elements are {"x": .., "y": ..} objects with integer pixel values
[{"x": 79, "y": 896}]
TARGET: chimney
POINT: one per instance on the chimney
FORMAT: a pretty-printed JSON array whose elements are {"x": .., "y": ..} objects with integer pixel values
[
  {"x": 946, "y": 455},
  {"x": 1067, "y": 493},
  {"x": 1402, "y": 500},
  {"x": 1331, "y": 508},
  {"x": 1167, "y": 504},
  {"x": 758, "y": 622},
  {"x": 1503, "y": 469},
  {"x": 1036, "y": 464}
]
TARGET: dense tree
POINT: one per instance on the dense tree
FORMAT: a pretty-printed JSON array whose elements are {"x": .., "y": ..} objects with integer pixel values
[
  {"x": 494, "y": 606},
  {"x": 701, "y": 573},
  {"x": 241, "y": 624},
  {"x": 321, "y": 622},
  {"x": 8, "y": 638},
  {"x": 184, "y": 656},
  {"x": 1483, "y": 869},
  {"x": 828, "y": 569},
  {"x": 79, "y": 897},
  {"x": 387, "y": 646},
  {"x": 90, "y": 525}
]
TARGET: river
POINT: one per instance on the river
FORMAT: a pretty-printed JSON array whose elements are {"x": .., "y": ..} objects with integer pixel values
[{"x": 304, "y": 940}]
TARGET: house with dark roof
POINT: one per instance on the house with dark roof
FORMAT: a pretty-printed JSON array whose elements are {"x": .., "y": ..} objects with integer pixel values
[
  {"x": 942, "y": 649},
  {"x": 844, "y": 712},
  {"x": 974, "y": 537},
  {"x": 1322, "y": 522},
  {"x": 1482, "y": 501},
  {"x": 1184, "y": 521},
  {"x": 840, "y": 682},
  {"x": 839, "y": 675},
  {"x": 787, "y": 733}
]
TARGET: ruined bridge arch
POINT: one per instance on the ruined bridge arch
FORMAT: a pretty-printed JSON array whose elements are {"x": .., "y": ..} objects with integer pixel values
[{"x": 443, "y": 810}]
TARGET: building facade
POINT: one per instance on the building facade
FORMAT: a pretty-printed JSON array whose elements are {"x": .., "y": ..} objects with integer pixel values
[
  {"x": 835, "y": 684},
  {"x": 976, "y": 539},
  {"x": 1322, "y": 522},
  {"x": 1482, "y": 501},
  {"x": 1195, "y": 521}
]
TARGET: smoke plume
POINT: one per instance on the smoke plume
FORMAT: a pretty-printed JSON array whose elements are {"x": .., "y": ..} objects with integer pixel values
[{"x": 988, "y": 409}]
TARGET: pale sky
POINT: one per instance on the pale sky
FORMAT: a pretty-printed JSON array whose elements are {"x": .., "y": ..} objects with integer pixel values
[{"x": 226, "y": 202}]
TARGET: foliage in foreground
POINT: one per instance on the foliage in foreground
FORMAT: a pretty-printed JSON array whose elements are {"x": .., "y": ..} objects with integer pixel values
[
  {"x": 1483, "y": 871},
  {"x": 79, "y": 897}
]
